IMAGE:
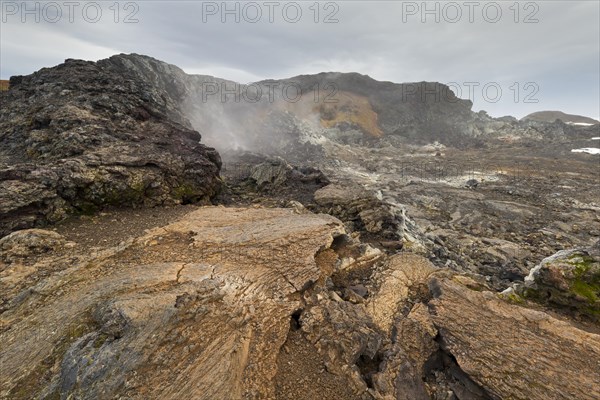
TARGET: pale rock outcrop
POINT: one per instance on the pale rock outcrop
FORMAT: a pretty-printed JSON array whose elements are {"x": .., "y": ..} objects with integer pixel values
[
  {"x": 197, "y": 309},
  {"x": 401, "y": 273},
  {"x": 29, "y": 243},
  {"x": 514, "y": 352}
]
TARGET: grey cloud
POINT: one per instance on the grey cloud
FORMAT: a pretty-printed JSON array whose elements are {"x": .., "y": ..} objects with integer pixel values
[{"x": 561, "y": 53}]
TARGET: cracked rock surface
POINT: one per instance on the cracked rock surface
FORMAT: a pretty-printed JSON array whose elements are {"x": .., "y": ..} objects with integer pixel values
[
  {"x": 256, "y": 303},
  {"x": 197, "y": 309}
]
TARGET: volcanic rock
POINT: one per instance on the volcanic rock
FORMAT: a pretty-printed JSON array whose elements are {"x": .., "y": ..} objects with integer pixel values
[
  {"x": 551, "y": 116},
  {"x": 256, "y": 177},
  {"x": 253, "y": 303},
  {"x": 568, "y": 280},
  {"x": 29, "y": 243},
  {"x": 84, "y": 135},
  {"x": 512, "y": 351},
  {"x": 363, "y": 211},
  {"x": 198, "y": 309}
]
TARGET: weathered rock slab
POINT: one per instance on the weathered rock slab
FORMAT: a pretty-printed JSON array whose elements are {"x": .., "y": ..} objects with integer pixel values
[
  {"x": 515, "y": 352},
  {"x": 197, "y": 309}
]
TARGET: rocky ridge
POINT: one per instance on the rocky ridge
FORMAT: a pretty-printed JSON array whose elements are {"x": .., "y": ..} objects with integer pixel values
[
  {"x": 551, "y": 116},
  {"x": 83, "y": 135}
]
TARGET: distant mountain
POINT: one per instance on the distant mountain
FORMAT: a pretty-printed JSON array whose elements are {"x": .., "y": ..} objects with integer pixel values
[
  {"x": 551, "y": 116},
  {"x": 295, "y": 116},
  {"x": 426, "y": 110}
]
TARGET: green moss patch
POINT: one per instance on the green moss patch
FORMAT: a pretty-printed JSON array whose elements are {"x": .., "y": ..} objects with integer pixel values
[
  {"x": 585, "y": 290},
  {"x": 515, "y": 298}
]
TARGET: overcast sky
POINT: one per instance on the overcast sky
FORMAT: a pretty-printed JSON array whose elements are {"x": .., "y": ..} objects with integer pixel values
[{"x": 544, "y": 51}]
